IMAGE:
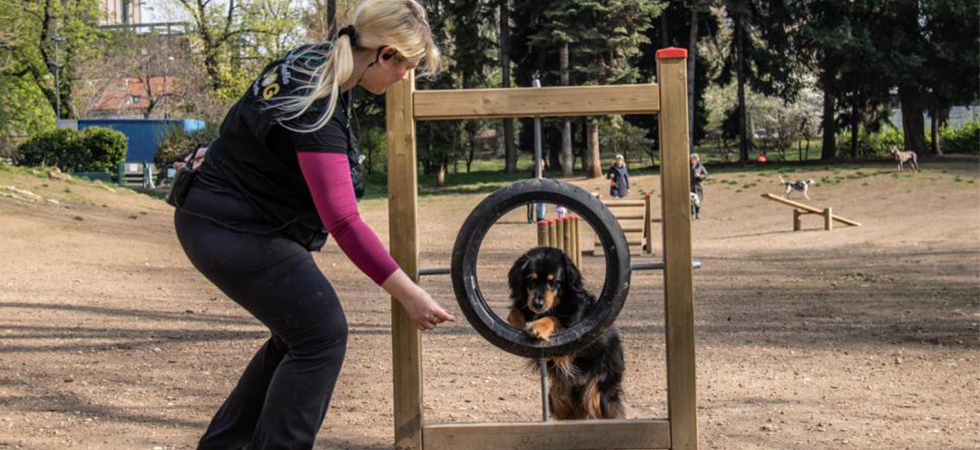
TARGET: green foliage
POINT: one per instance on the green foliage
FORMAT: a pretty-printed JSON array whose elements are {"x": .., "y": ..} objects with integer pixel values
[
  {"x": 621, "y": 137},
  {"x": 176, "y": 143},
  {"x": 23, "y": 113},
  {"x": 94, "y": 149},
  {"x": 106, "y": 148},
  {"x": 964, "y": 140},
  {"x": 374, "y": 146},
  {"x": 871, "y": 144}
]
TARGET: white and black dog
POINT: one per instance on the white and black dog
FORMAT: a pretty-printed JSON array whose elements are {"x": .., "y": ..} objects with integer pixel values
[
  {"x": 695, "y": 206},
  {"x": 801, "y": 185}
]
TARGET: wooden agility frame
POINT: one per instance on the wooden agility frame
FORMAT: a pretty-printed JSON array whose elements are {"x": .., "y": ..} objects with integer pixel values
[{"x": 668, "y": 98}]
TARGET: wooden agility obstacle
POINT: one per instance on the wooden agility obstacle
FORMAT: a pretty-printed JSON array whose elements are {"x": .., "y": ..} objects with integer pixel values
[
  {"x": 563, "y": 234},
  {"x": 800, "y": 209},
  {"x": 636, "y": 219},
  {"x": 667, "y": 99}
]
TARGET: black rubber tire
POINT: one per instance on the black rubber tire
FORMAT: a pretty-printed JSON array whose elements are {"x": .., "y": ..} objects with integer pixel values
[{"x": 466, "y": 251}]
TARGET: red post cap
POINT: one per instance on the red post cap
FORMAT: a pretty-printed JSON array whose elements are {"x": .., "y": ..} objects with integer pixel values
[
  {"x": 542, "y": 222},
  {"x": 672, "y": 53}
]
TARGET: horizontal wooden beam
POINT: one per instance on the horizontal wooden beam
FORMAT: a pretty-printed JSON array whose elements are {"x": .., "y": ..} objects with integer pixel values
[
  {"x": 567, "y": 435},
  {"x": 545, "y": 102},
  {"x": 808, "y": 208}
]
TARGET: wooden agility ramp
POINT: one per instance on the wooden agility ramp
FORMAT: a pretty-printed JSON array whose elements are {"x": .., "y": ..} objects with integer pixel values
[
  {"x": 636, "y": 219},
  {"x": 800, "y": 209}
]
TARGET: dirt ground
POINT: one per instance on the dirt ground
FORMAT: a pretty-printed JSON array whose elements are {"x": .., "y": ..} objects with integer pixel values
[{"x": 854, "y": 338}]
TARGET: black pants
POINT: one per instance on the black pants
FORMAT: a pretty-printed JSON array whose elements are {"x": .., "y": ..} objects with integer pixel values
[{"x": 282, "y": 397}]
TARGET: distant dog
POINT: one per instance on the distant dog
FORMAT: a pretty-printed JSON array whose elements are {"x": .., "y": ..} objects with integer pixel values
[
  {"x": 802, "y": 185},
  {"x": 903, "y": 157},
  {"x": 695, "y": 205},
  {"x": 547, "y": 296}
]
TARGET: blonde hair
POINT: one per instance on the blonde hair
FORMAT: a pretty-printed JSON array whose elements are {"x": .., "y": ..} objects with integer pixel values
[{"x": 399, "y": 24}]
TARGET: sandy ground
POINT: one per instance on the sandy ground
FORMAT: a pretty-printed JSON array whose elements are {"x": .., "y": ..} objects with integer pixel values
[{"x": 855, "y": 338}]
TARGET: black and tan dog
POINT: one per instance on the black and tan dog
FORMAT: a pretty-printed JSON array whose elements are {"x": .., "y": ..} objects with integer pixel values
[{"x": 548, "y": 296}]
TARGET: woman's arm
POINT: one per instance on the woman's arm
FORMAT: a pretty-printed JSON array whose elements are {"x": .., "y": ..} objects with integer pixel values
[{"x": 328, "y": 177}]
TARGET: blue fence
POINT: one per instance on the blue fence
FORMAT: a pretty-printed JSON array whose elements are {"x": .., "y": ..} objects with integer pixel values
[{"x": 143, "y": 135}]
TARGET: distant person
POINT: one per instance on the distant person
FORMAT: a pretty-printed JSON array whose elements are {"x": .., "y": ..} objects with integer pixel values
[
  {"x": 619, "y": 186},
  {"x": 698, "y": 174}
]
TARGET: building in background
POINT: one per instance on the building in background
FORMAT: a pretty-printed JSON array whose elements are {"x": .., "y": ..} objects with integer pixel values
[
  {"x": 140, "y": 78},
  {"x": 120, "y": 12}
]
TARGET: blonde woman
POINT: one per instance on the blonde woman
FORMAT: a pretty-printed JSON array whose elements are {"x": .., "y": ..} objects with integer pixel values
[
  {"x": 280, "y": 176},
  {"x": 619, "y": 186}
]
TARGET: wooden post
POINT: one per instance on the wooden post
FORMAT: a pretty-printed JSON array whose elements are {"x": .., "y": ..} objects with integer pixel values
[
  {"x": 552, "y": 233},
  {"x": 647, "y": 223},
  {"x": 677, "y": 243},
  {"x": 542, "y": 233},
  {"x": 567, "y": 237},
  {"x": 404, "y": 243},
  {"x": 578, "y": 241},
  {"x": 559, "y": 241},
  {"x": 797, "y": 219},
  {"x": 828, "y": 219}
]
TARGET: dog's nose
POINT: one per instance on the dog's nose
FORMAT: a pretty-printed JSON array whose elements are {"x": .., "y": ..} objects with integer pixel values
[{"x": 538, "y": 302}]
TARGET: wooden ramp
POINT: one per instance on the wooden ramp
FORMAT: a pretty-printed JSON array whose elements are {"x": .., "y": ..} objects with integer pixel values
[
  {"x": 636, "y": 219},
  {"x": 800, "y": 209}
]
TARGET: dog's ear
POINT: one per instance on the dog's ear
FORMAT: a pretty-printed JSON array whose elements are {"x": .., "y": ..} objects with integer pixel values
[
  {"x": 515, "y": 278},
  {"x": 572, "y": 280}
]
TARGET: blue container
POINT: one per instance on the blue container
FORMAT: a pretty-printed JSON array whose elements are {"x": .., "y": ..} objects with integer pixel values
[{"x": 143, "y": 135}]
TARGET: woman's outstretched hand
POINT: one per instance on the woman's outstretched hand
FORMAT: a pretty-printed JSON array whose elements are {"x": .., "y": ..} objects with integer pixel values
[{"x": 424, "y": 312}]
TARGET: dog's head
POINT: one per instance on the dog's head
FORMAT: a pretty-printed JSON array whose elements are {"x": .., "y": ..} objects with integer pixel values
[
  {"x": 810, "y": 182},
  {"x": 540, "y": 278},
  {"x": 894, "y": 150}
]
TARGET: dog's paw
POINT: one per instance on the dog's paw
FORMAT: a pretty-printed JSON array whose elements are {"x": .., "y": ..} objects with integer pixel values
[{"x": 541, "y": 329}]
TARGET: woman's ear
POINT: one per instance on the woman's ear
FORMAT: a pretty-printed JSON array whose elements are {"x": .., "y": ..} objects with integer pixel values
[{"x": 388, "y": 52}]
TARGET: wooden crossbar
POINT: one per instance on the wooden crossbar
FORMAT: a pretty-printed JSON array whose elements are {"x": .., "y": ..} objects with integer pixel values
[
  {"x": 445, "y": 104},
  {"x": 808, "y": 208},
  {"x": 566, "y": 435}
]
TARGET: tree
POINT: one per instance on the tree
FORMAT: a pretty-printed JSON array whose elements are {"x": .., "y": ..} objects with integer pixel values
[
  {"x": 37, "y": 28},
  {"x": 473, "y": 57},
  {"x": 235, "y": 39},
  {"x": 510, "y": 153},
  {"x": 604, "y": 40},
  {"x": 761, "y": 56}
]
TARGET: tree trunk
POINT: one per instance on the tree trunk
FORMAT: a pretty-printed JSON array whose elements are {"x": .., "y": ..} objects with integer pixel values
[
  {"x": 913, "y": 126},
  {"x": 510, "y": 152},
  {"x": 939, "y": 118},
  {"x": 566, "y": 132},
  {"x": 331, "y": 17},
  {"x": 829, "y": 125},
  {"x": 692, "y": 54},
  {"x": 855, "y": 122},
  {"x": 593, "y": 170},
  {"x": 743, "y": 142}
]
